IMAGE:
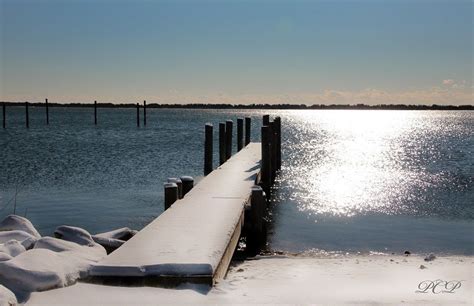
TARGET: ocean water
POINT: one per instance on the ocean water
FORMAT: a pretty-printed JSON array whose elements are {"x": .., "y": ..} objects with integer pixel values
[{"x": 351, "y": 180}]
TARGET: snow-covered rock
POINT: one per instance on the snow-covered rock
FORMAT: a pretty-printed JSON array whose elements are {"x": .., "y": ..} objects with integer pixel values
[
  {"x": 94, "y": 252},
  {"x": 26, "y": 239},
  {"x": 12, "y": 248},
  {"x": 4, "y": 257},
  {"x": 7, "y": 298},
  {"x": 114, "y": 239},
  {"x": 14, "y": 222},
  {"x": 74, "y": 234}
]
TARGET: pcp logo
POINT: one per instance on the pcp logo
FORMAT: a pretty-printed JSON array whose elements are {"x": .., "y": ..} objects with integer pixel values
[{"x": 438, "y": 286}]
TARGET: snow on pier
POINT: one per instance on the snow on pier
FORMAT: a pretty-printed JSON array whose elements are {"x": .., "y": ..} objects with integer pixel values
[{"x": 192, "y": 241}]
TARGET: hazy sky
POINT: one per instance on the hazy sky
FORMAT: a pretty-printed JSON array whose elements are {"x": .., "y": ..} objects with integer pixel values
[{"x": 237, "y": 51}]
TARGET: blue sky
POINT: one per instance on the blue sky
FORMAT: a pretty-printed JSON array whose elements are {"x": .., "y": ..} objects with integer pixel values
[{"x": 237, "y": 51}]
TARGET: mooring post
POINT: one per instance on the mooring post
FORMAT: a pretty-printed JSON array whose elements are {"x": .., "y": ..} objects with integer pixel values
[
  {"x": 4, "y": 115},
  {"x": 266, "y": 159},
  {"x": 144, "y": 113},
  {"x": 273, "y": 157},
  {"x": 47, "y": 111},
  {"x": 247, "y": 130},
  {"x": 277, "y": 121},
  {"x": 240, "y": 134},
  {"x": 208, "y": 148},
  {"x": 222, "y": 139},
  {"x": 27, "y": 116},
  {"x": 266, "y": 120},
  {"x": 171, "y": 194},
  {"x": 179, "y": 183},
  {"x": 228, "y": 139},
  {"x": 138, "y": 115},
  {"x": 188, "y": 184},
  {"x": 95, "y": 112},
  {"x": 256, "y": 238}
]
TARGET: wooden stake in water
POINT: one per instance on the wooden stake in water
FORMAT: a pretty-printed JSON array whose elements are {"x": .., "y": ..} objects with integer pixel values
[
  {"x": 273, "y": 156},
  {"x": 188, "y": 184},
  {"x": 95, "y": 112},
  {"x": 4, "y": 115},
  {"x": 240, "y": 134},
  {"x": 266, "y": 173},
  {"x": 247, "y": 130},
  {"x": 222, "y": 138},
  {"x": 278, "y": 142},
  {"x": 47, "y": 112},
  {"x": 144, "y": 113},
  {"x": 228, "y": 139},
  {"x": 27, "y": 116},
  {"x": 266, "y": 120},
  {"x": 256, "y": 237},
  {"x": 171, "y": 194},
  {"x": 138, "y": 115},
  {"x": 208, "y": 148}
]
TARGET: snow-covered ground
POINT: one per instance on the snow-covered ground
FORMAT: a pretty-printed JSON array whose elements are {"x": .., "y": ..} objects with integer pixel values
[{"x": 355, "y": 279}]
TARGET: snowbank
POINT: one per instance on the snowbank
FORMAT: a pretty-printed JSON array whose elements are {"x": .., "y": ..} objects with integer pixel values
[
  {"x": 14, "y": 222},
  {"x": 7, "y": 298}
]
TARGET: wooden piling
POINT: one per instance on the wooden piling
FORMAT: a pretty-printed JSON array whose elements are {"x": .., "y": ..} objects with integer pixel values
[
  {"x": 27, "y": 116},
  {"x": 277, "y": 121},
  {"x": 256, "y": 236},
  {"x": 222, "y": 138},
  {"x": 138, "y": 115},
  {"x": 228, "y": 139},
  {"x": 171, "y": 194},
  {"x": 266, "y": 120},
  {"x": 188, "y": 184},
  {"x": 208, "y": 148},
  {"x": 179, "y": 183},
  {"x": 266, "y": 168},
  {"x": 47, "y": 111},
  {"x": 4, "y": 115},
  {"x": 95, "y": 112},
  {"x": 248, "y": 127},
  {"x": 144, "y": 113},
  {"x": 240, "y": 134},
  {"x": 273, "y": 157}
]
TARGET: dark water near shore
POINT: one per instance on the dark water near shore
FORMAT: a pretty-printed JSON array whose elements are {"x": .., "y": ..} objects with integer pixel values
[{"x": 351, "y": 181}]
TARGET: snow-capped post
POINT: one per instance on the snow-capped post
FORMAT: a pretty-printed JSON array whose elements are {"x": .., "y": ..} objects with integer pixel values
[
  {"x": 277, "y": 121},
  {"x": 178, "y": 182},
  {"x": 247, "y": 130},
  {"x": 256, "y": 235},
  {"x": 266, "y": 120},
  {"x": 138, "y": 115},
  {"x": 221, "y": 143},
  {"x": 27, "y": 116},
  {"x": 188, "y": 184},
  {"x": 171, "y": 194},
  {"x": 266, "y": 170},
  {"x": 208, "y": 148},
  {"x": 240, "y": 134},
  {"x": 144, "y": 113},
  {"x": 273, "y": 141},
  {"x": 4, "y": 115},
  {"x": 228, "y": 139},
  {"x": 47, "y": 111},
  {"x": 95, "y": 112}
]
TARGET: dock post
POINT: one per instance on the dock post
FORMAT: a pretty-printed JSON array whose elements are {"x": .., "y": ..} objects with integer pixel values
[
  {"x": 4, "y": 115},
  {"x": 273, "y": 141},
  {"x": 47, "y": 111},
  {"x": 179, "y": 183},
  {"x": 266, "y": 120},
  {"x": 240, "y": 134},
  {"x": 228, "y": 139},
  {"x": 27, "y": 116},
  {"x": 256, "y": 238},
  {"x": 144, "y": 113},
  {"x": 138, "y": 115},
  {"x": 95, "y": 112},
  {"x": 188, "y": 184},
  {"x": 208, "y": 148},
  {"x": 171, "y": 194},
  {"x": 277, "y": 121},
  {"x": 247, "y": 130},
  {"x": 266, "y": 159},
  {"x": 222, "y": 138}
]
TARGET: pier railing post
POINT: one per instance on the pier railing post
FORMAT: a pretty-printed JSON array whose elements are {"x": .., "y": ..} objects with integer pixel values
[
  {"x": 179, "y": 183},
  {"x": 222, "y": 139},
  {"x": 188, "y": 184},
  {"x": 171, "y": 194},
  {"x": 266, "y": 167},
  {"x": 4, "y": 115},
  {"x": 47, "y": 111},
  {"x": 144, "y": 113},
  {"x": 247, "y": 130},
  {"x": 256, "y": 238},
  {"x": 228, "y": 140},
  {"x": 27, "y": 116},
  {"x": 138, "y": 115},
  {"x": 95, "y": 112},
  {"x": 266, "y": 120},
  {"x": 240, "y": 134},
  {"x": 208, "y": 148},
  {"x": 277, "y": 121}
]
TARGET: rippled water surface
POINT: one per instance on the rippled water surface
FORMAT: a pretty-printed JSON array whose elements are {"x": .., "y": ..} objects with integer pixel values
[{"x": 351, "y": 181}]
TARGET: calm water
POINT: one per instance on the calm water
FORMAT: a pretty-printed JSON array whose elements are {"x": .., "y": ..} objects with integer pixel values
[{"x": 351, "y": 181}]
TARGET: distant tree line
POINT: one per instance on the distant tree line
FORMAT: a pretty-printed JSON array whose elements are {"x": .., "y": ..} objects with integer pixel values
[{"x": 261, "y": 106}]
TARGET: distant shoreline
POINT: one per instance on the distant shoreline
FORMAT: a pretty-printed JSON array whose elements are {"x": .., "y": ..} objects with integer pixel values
[{"x": 256, "y": 106}]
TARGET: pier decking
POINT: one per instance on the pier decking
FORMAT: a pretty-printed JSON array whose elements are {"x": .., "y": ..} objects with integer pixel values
[{"x": 192, "y": 241}]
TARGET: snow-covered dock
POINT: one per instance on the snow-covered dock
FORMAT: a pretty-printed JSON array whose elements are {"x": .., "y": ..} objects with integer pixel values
[{"x": 193, "y": 241}]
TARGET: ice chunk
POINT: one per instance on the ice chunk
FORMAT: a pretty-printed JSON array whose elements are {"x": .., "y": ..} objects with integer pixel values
[
  {"x": 14, "y": 222},
  {"x": 12, "y": 248},
  {"x": 74, "y": 234}
]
